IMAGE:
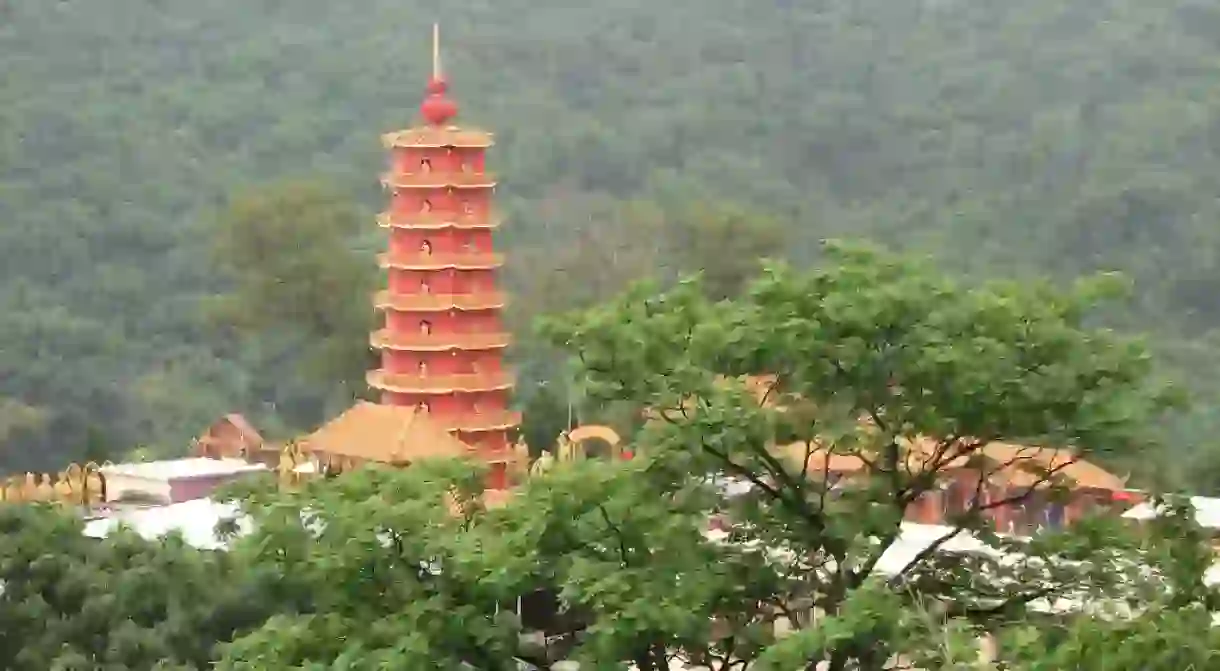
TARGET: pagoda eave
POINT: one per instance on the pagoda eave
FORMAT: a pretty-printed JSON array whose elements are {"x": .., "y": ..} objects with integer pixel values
[
  {"x": 428, "y": 221},
  {"x": 423, "y": 262},
  {"x": 432, "y": 137},
  {"x": 498, "y": 421},
  {"x": 444, "y": 342},
  {"x": 439, "y": 180},
  {"x": 490, "y": 300},
  {"x": 440, "y": 384}
]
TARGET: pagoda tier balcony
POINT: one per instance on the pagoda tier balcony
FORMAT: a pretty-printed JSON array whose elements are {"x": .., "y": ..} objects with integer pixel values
[
  {"x": 437, "y": 221},
  {"x": 440, "y": 383},
  {"x": 480, "y": 422},
  {"x": 442, "y": 261},
  {"x": 438, "y": 342},
  {"x": 428, "y": 136},
  {"x": 439, "y": 179},
  {"x": 487, "y": 300}
]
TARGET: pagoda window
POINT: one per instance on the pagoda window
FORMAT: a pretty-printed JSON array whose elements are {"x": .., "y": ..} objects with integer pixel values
[
  {"x": 425, "y": 247},
  {"x": 427, "y": 206},
  {"x": 425, "y": 327},
  {"x": 424, "y": 287},
  {"x": 467, "y": 207},
  {"x": 424, "y": 408},
  {"x": 425, "y": 165},
  {"x": 423, "y": 369}
]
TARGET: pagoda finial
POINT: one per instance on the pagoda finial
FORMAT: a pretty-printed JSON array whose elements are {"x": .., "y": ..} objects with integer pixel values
[
  {"x": 437, "y": 108},
  {"x": 436, "y": 51}
]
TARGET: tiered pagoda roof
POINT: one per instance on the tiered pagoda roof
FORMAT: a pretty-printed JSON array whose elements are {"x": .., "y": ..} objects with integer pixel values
[{"x": 441, "y": 380}]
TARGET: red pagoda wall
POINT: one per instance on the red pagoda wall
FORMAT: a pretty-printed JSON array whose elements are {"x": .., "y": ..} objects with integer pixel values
[{"x": 443, "y": 338}]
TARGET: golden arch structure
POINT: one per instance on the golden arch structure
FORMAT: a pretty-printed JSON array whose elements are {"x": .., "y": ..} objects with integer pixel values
[{"x": 572, "y": 445}]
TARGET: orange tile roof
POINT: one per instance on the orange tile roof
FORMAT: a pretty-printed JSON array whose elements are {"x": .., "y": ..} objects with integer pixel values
[
  {"x": 384, "y": 434},
  {"x": 244, "y": 426},
  {"x": 1036, "y": 462},
  {"x": 217, "y": 442},
  {"x": 819, "y": 459},
  {"x": 1018, "y": 465}
]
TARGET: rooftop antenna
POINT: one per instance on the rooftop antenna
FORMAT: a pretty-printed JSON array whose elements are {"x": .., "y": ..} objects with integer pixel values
[{"x": 436, "y": 51}]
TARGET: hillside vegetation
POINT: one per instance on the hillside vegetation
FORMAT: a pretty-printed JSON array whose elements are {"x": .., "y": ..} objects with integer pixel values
[{"x": 1048, "y": 137}]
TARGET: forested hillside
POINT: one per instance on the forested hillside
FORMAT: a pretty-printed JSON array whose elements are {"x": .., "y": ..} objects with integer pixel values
[{"x": 1043, "y": 137}]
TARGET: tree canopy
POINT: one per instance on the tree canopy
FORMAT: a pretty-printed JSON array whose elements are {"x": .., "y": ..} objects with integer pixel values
[
  {"x": 73, "y": 603},
  {"x": 872, "y": 356},
  {"x": 1047, "y": 137}
]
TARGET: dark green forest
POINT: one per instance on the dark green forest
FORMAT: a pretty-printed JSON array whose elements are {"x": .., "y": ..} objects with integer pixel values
[{"x": 1042, "y": 138}]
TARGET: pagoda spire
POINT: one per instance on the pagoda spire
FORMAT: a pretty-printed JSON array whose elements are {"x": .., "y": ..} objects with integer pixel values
[
  {"x": 443, "y": 338},
  {"x": 436, "y": 51},
  {"x": 437, "y": 109}
]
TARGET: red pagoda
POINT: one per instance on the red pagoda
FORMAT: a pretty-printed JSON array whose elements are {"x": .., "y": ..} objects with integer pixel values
[{"x": 443, "y": 338}]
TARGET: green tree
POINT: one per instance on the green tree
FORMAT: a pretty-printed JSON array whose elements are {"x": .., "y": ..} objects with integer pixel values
[
  {"x": 408, "y": 568},
  {"x": 16, "y": 416},
  {"x": 75, "y": 603},
  {"x": 1173, "y": 629},
  {"x": 920, "y": 358},
  {"x": 287, "y": 248},
  {"x": 400, "y": 568},
  {"x": 1066, "y": 138},
  {"x": 726, "y": 244}
]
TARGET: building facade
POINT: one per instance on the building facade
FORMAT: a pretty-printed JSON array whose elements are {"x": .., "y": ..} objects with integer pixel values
[{"x": 443, "y": 338}]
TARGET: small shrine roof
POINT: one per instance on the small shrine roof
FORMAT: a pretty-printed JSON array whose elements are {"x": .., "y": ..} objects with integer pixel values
[
  {"x": 384, "y": 434},
  {"x": 243, "y": 425}
]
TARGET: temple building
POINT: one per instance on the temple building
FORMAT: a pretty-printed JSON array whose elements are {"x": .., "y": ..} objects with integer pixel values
[
  {"x": 1019, "y": 488},
  {"x": 442, "y": 387},
  {"x": 442, "y": 381},
  {"x": 234, "y": 437}
]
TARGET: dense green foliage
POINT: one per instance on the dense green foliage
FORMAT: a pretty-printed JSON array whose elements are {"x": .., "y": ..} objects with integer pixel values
[
  {"x": 1050, "y": 136},
  {"x": 72, "y": 603},
  {"x": 409, "y": 569},
  {"x": 916, "y": 355}
]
